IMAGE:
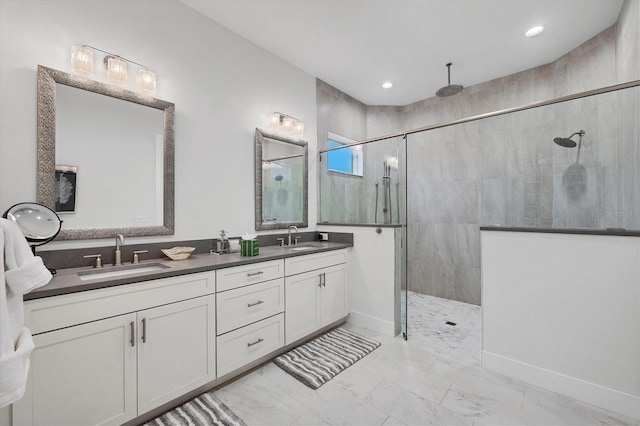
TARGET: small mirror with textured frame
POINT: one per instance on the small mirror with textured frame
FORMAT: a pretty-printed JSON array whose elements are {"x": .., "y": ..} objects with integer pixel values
[
  {"x": 281, "y": 181},
  {"x": 120, "y": 145}
]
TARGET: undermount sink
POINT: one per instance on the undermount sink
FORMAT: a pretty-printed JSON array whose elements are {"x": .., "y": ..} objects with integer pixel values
[
  {"x": 118, "y": 271},
  {"x": 308, "y": 246}
]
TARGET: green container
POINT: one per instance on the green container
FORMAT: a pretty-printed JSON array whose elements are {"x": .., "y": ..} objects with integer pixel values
[{"x": 250, "y": 248}]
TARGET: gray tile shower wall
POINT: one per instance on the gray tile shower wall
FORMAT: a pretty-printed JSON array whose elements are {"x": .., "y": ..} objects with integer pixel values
[
  {"x": 506, "y": 169},
  {"x": 341, "y": 114},
  {"x": 347, "y": 198}
]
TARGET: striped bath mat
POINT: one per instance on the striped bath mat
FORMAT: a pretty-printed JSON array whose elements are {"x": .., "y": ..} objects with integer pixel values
[
  {"x": 203, "y": 410},
  {"x": 320, "y": 360}
]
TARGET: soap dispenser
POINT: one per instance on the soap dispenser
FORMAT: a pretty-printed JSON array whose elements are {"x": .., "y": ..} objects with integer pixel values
[{"x": 222, "y": 245}]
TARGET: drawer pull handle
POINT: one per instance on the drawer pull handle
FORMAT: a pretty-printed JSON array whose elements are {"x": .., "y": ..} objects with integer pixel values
[
  {"x": 253, "y": 274},
  {"x": 254, "y": 343},
  {"x": 144, "y": 330},
  {"x": 133, "y": 332},
  {"x": 255, "y": 303}
]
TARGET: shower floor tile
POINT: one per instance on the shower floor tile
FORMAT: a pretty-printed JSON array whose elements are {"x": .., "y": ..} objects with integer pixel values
[{"x": 431, "y": 322}]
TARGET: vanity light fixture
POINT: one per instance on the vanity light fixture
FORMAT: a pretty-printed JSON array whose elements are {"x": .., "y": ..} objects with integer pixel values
[
  {"x": 286, "y": 124},
  {"x": 117, "y": 72},
  {"x": 534, "y": 31}
]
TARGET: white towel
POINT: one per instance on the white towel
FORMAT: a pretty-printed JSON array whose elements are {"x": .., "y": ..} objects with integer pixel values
[
  {"x": 22, "y": 273},
  {"x": 14, "y": 369}
]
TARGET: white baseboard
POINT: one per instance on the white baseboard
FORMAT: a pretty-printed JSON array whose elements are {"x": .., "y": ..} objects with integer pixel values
[
  {"x": 372, "y": 323},
  {"x": 591, "y": 393}
]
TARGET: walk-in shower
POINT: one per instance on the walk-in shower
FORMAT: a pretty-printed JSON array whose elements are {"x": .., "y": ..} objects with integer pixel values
[{"x": 494, "y": 169}]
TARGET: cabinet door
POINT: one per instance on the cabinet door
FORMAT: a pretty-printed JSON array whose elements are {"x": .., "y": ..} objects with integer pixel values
[
  {"x": 82, "y": 375},
  {"x": 176, "y": 350},
  {"x": 301, "y": 313},
  {"x": 333, "y": 294}
]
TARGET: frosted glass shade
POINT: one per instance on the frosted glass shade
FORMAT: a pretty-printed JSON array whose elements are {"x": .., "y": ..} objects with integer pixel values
[
  {"x": 117, "y": 71},
  {"x": 81, "y": 60},
  {"x": 274, "y": 120},
  {"x": 298, "y": 128},
  {"x": 146, "y": 81}
]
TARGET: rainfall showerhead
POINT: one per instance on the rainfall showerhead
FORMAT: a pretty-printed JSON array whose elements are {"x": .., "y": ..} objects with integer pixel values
[
  {"x": 451, "y": 89},
  {"x": 568, "y": 142}
]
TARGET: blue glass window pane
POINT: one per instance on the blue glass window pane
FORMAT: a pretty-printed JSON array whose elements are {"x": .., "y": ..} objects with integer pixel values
[{"x": 339, "y": 160}]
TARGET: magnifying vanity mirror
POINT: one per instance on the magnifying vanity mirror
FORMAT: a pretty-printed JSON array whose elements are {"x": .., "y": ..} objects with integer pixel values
[
  {"x": 281, "y": 179},
  {"x": 38, "y": 224},
  {"x": 105, "y": 158}
]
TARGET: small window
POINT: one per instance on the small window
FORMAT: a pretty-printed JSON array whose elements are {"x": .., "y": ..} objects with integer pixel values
[{"x": 347, "y": 160}]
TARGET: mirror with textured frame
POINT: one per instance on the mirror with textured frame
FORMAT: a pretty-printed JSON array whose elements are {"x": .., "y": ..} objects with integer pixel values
[
  {"x": 107, "y": 155},
  {"x": 281, "y": 179}
]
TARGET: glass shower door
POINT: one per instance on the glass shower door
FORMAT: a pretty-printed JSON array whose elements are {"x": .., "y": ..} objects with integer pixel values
[{"x": 402, "y": 220}]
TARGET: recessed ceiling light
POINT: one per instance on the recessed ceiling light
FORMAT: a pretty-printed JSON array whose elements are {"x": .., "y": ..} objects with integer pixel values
[
  {"x": 387, "y": 85},
  {"x": 534, "y": 31}
]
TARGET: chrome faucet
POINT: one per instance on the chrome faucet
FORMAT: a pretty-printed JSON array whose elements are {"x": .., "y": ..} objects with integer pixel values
[
  {"x": 117, "y": 261},
  {"x": 289, "y": 238}
]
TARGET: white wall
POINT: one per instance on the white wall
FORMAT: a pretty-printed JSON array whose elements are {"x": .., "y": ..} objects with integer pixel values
[
  {"x": 372, "y": 276},
  {"x": 563, "y": 312},
  {"x": 222, "y": 85}
]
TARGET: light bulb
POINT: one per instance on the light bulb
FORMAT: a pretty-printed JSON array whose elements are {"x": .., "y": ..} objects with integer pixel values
[{"x": 534, "y": 31}]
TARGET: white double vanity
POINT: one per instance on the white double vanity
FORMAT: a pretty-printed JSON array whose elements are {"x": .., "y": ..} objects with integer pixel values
[{"x": 109, "y": 355}]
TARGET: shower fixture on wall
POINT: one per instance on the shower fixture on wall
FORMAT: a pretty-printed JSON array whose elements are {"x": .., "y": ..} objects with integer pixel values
[
  {"x": 386, "y": 184},
  {"x": 451, "y": 89},
  {"x": 568, "y": 142},
  {"x": 575, "y": 177}
]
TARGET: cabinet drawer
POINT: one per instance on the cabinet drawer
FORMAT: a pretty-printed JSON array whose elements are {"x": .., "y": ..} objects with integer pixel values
[
  {"x": 300, "y": 264},
  {"x": 52, "y": 313},
  {"x": 241, "y": 306},
  {"x": 239, "y": 276},
  {"x": 240, "y": 347}
]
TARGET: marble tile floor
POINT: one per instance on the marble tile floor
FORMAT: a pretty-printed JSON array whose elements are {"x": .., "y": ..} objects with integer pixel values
[{"x": 434, "y": 378}]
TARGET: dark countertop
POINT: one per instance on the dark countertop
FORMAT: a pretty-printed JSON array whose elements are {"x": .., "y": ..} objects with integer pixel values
[
  {"x": 621, "y": 232},
  {"x": 366, "y": 225},
  {"x": 66, "y": 281}
]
